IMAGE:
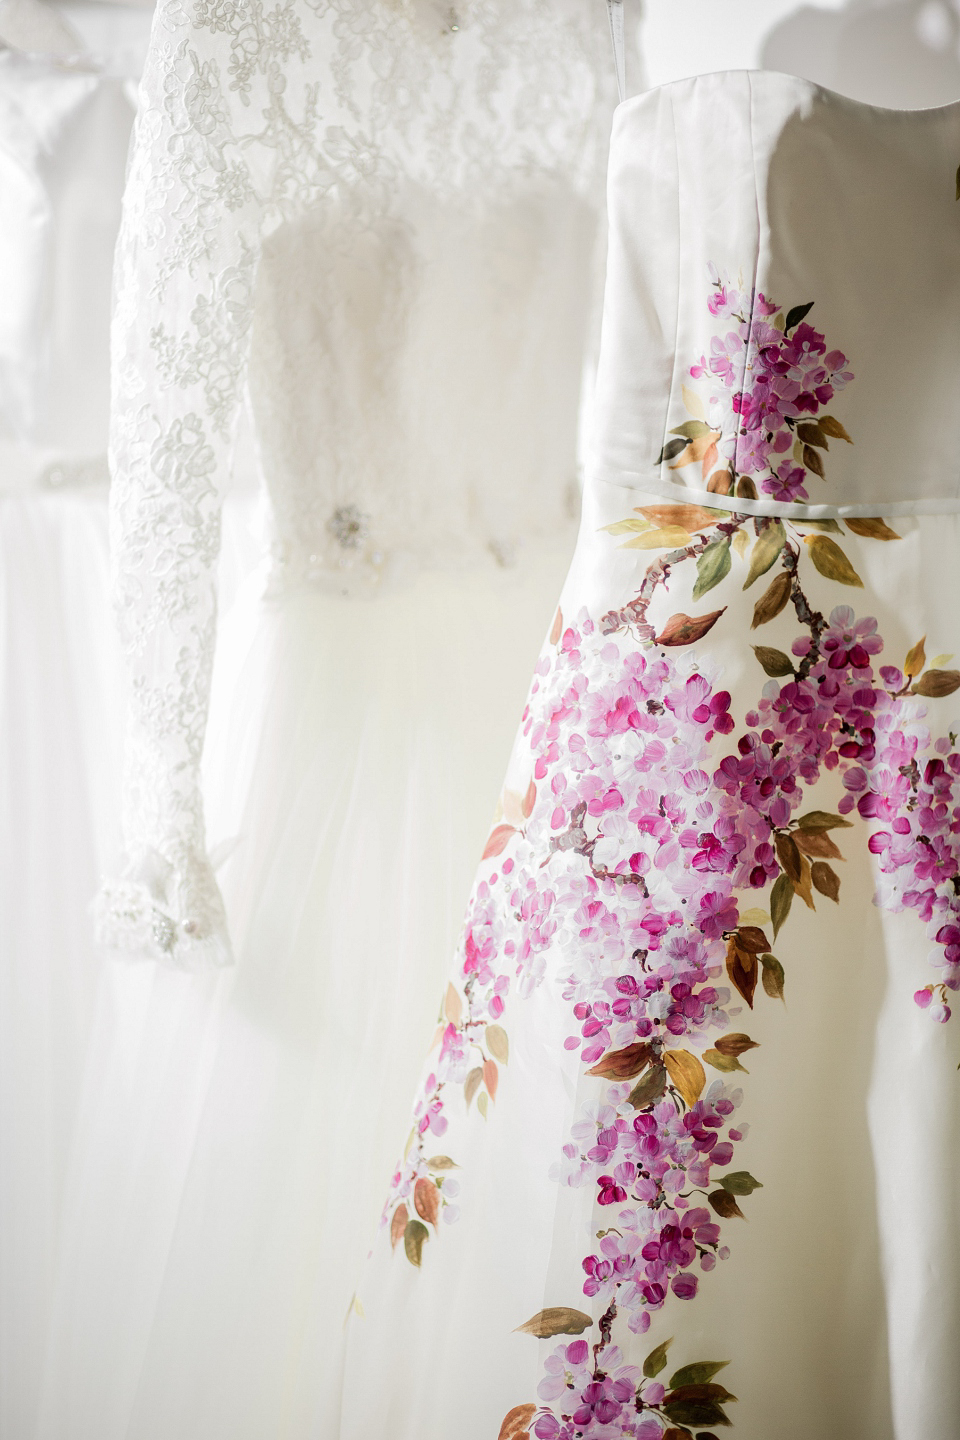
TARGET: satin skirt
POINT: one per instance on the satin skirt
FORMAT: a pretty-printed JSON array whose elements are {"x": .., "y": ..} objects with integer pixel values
[
  {"x": 686, "y": 1148},
  {"x": 237, "y": 1129}
]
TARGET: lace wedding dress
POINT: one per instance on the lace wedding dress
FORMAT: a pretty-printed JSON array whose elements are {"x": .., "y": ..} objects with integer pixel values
[
  {"x": 717, "y": 920},
  {"x": 371, "y": 226}
]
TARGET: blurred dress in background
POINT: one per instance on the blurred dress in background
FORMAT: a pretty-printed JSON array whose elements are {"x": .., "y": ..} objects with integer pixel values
[
  {"x": 380, "y": 224},
  {"x": 63, "y": 146}
]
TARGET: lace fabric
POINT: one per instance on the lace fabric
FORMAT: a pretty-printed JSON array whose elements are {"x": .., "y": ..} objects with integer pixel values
[{"x": 396, "y": 199}]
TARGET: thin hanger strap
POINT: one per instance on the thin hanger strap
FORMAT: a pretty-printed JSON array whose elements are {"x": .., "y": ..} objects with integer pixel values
[{"x": 615, "y": 10}]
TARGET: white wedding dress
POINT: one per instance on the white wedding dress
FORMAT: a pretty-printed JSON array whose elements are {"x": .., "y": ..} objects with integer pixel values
[
  {"x": 63, "y": 141},
  {"x": 650, "y": 1159},
  {"x": 378, "y": 222}
]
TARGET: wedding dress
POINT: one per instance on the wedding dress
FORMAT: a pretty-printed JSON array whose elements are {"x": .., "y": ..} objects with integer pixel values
[
  {"x": 63, "y": 138},
  {"x": 373, "y": 226},
  {"x": 686, "y": 1151}
]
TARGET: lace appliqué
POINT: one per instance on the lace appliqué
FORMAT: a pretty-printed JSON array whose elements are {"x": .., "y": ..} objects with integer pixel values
[{"x": 257, "y": 118}]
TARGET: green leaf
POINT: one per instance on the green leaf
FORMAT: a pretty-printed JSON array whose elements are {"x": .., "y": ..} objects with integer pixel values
[
  {"x": 497, "y": 1043},
  {"x": 413, "y": 1239},
  {"x": 670, "y": 538},
  {"x": 657, "y": 1360},
  {"x": 696, "y": 1412},
  {"x": 718, "y": 1393},
  {"x": 483, "y": 1103},
  {"x": 795, "y": 315},
  {"x": 671, "y": 450},
  {"x": 726, "y": 1064},
  {"x": 740, "y": 1182},
  {"x": 822, "y": 820},
  {"x": 810, "y": 433},
  {"x": 770, "y": 542},
  {"x": 712, "y": 566},
  {"x": 773, "y": 977},
  {"x": 559, "y": 1320},
  {"x": 831, "y": 561},
  {"x": 781, "y": 898},
  {"x": 697, "y": 1374},
  {"x": 774, "y": 662},
  {"x": 632, "y": 525},
  {"x": 650, "y": 1089},
  {"x": 691, "y": 429}
]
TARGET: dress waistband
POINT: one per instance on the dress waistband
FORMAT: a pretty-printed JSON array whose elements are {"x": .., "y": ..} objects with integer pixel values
[{"x": 687, "y": 495}]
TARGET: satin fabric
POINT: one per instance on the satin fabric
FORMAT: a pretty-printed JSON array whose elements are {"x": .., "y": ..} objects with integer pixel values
[{"x": 599, "y": 1226}]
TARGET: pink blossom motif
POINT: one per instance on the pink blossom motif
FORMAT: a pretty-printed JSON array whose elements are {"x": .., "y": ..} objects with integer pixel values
[
  {"x": 786, "y": 484},
  {"x": 769, "y": 374},
  {"x": 648, "y": 816},
  {"x": 848, "y": 641},
  {"x": 651, "y": 812}
]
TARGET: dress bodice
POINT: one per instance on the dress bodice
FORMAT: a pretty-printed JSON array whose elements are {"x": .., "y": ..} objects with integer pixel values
[
  {"x": 415, "y": 375},
  {"x": 784, "y": 267},
  {"x": 376, "y": 219}
]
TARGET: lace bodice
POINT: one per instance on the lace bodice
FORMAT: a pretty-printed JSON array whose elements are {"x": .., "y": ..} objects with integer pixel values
[{"x": 377, "y": 217}]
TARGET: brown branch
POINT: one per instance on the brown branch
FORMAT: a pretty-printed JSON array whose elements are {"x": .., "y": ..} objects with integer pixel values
[{"x": 812, "y": 619}]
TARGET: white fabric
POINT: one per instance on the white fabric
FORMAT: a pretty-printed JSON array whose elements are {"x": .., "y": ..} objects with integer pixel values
[
  {"x": 432, "y": 167},
  {"x": 63, "y": 141},
  {"x": 615, "y": 8},
  {"x": 63, "y": 147},
  {"x": 222, "y": 1195},
  {"x": 418, "y": 258},
  {"x": 59, "y": 799},
  {"x": 797, "y": 176},
  {"x": 614, "y": 1085}
]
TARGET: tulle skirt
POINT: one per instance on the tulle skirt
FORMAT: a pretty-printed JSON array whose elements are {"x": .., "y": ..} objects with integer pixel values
[
  {"x": 237, "y": 1130},
  {"x": 59, "y": 722}
]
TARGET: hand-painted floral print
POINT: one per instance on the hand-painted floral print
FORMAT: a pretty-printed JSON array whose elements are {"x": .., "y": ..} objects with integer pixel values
[
  {"x": 757, "y": 414},
  {"x": 659, "y": 845}
]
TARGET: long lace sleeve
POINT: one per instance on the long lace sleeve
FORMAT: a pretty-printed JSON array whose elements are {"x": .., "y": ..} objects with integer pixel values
[
  {"x": 186, "y": 259},
  {"x": 255, "y": 114}
]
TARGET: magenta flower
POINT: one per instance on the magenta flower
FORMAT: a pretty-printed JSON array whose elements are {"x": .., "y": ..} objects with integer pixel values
[
  {"x": 787, "y": 483},
  {"x": 717, "y": 913},
  {"x": 848, "y": 641}
]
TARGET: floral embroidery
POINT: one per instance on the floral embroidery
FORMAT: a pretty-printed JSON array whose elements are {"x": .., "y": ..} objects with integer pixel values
[{"x": 651, "y": 820}]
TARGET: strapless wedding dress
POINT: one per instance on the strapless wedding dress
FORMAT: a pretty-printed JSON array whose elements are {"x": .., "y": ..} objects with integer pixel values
[{"x": 686, "y": 1151}]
